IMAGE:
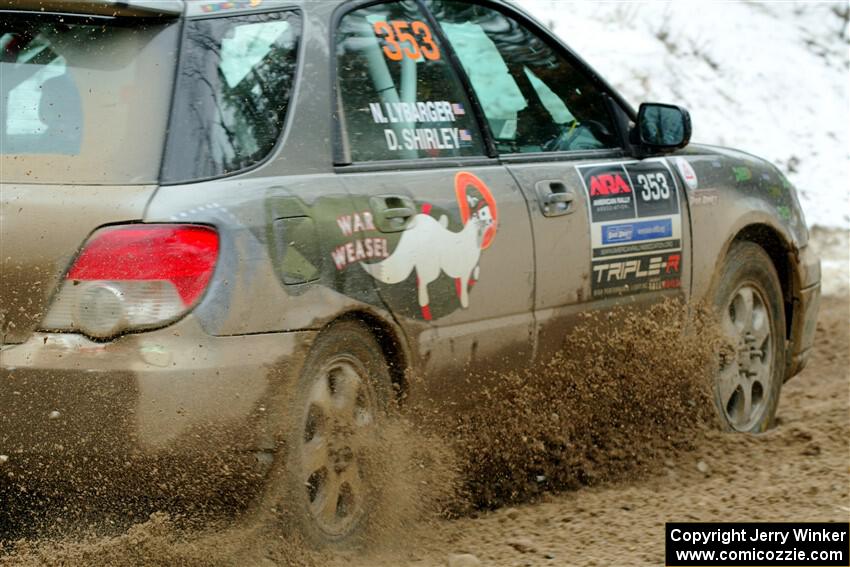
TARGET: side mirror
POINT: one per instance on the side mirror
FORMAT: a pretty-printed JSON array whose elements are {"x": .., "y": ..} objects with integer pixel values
[{"x": 663, "y": 127}]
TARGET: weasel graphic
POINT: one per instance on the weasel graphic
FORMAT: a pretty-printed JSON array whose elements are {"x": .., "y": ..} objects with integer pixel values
[{"x": 430, "y": 248}]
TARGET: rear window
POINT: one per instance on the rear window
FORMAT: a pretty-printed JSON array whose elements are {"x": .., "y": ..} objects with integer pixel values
[
  {"x": 233, "y": 89},
  {"x": 84, "y": 100}
]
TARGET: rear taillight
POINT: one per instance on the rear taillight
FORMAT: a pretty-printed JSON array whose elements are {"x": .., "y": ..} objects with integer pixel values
[{"x": 134, "y": 277}]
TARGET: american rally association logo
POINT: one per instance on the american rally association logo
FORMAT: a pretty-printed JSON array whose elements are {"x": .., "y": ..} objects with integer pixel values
[{"x": 430, "y": 248}]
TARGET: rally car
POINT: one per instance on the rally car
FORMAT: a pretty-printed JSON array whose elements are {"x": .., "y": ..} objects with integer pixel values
[{"x": 248, "y": 224}]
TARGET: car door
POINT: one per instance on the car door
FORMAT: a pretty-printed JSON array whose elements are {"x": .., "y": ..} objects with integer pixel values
[
  {"x": 606, "y": 227},
  {"x": 442, "y": 230}
]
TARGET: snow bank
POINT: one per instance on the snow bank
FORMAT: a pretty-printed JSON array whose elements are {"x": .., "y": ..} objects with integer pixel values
[{"x": 767, "y": 78}]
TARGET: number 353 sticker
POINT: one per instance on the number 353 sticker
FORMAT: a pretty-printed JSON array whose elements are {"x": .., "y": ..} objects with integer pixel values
[
  {"x": 407, "y": 39},
  {"x": 656, "y": 190}
]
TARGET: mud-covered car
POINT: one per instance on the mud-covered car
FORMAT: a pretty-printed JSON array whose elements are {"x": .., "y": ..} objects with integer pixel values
[{"x": 249, "y": 224}]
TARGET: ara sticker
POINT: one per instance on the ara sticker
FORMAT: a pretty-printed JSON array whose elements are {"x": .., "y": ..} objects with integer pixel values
[
  {"x": 687, "y": 172},
  {"x": 431, "y": 249},
  {"x": 611, "y": 194}
]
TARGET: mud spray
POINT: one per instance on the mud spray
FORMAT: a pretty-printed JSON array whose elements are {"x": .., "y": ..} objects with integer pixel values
[
  {"x": 629, "y": 388},
  {"x": 414, "y": 475}
]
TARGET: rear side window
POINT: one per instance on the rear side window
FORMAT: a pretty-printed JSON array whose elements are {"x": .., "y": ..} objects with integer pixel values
[
  {"x": 535, "y": 100},
  {"x": 234, "y": 86},
  {"x": 400, "y": 97}
]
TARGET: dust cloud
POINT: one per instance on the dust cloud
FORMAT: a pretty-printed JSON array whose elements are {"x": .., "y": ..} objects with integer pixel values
[
  {"x": 629, "y": 387},
  {"x": 414, "y": 479}
]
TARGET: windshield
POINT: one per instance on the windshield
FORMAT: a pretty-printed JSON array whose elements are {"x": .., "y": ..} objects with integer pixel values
[{"x": 83, "y": 100}]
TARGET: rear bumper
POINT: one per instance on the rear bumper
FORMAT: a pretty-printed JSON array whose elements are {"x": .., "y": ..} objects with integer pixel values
[{"x": 175, "y": 390}]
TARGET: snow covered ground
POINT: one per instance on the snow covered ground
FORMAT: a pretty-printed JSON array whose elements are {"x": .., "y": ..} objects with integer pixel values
[{"x": 768, "y": 78}]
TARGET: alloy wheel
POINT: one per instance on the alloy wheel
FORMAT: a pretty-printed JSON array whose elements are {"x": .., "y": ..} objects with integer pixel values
[
  {"x": 340, "y": 417},
  {"x": 746, "y": 367}
]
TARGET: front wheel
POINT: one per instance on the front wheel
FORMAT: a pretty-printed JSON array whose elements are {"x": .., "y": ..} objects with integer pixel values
[{"x": 748, "y": 301}]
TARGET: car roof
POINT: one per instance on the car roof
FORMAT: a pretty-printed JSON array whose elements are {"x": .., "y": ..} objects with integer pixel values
[
  {"x": 114, "y": 8},
  {"x": 149, "y": 8},
  {"x": 168, "y": 8}
]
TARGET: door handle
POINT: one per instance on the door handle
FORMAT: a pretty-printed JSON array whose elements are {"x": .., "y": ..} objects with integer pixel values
[
  {"x": 392, "y": 213},
  {"x": 555, "y": 197},
  {"x": 398, "y": 213}
]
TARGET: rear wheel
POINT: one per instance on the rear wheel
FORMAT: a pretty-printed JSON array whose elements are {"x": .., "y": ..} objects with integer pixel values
[
  {"x": 333, "y": 421},
  {"x": 748, "y": 300}
]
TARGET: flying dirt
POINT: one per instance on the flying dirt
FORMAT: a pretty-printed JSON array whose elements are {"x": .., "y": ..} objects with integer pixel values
[{"x": 579, "y": 465}]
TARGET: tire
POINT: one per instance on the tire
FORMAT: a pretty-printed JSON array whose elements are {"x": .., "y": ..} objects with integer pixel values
[
  {"x": 751, "y": 365},
  {"x": 341, "y": 400}
]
